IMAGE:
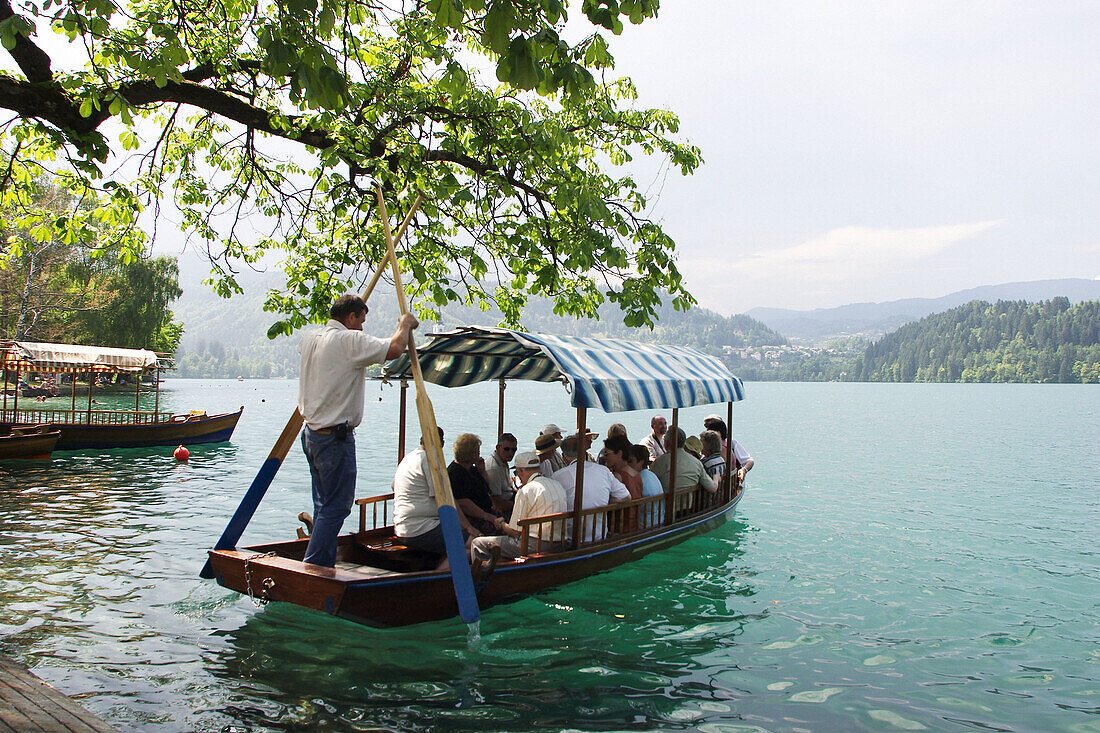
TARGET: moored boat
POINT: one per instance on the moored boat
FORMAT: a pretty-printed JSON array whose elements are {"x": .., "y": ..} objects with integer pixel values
[
  {"x": 32, "y": 441},
  {"x": 89, "y": 427},
  {"x": 377, "y": 581}
]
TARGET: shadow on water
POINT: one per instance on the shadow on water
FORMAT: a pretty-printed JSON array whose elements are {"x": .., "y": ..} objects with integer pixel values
[{"x": 604, "y": 650}]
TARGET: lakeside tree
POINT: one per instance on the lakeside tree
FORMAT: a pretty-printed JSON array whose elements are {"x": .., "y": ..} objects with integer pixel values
[{"x": 266, "y": 124}]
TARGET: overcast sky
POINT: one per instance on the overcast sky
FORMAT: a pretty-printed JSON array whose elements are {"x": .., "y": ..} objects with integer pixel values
[{"x": 875, "y": 151}]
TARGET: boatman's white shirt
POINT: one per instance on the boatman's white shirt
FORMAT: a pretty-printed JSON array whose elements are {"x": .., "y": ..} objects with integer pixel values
[{"x": 331, "y": 381}]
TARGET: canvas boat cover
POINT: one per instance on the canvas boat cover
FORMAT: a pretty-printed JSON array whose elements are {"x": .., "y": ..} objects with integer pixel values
[
  {"x": 613, "y": 375},
  {"x": 29, "y": 356}
]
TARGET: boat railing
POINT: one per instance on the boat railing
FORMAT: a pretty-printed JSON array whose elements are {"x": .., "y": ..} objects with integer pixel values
[
  {"x": 83, "y": 417},
  {"x": 381, "y": 509},
  {"x": 553, "y": 532}
]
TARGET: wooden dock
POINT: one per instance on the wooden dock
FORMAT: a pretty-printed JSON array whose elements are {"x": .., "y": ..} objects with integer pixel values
[{"x": 29, "y": 705}]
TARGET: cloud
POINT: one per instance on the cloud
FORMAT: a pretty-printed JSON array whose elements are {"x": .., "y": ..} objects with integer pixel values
[
  {"x": 829, "y": 264},
  {"x": 839, "y": 253}
]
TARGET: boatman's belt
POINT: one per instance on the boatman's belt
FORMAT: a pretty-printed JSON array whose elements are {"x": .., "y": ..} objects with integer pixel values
[{"x": 341, "y": 431}]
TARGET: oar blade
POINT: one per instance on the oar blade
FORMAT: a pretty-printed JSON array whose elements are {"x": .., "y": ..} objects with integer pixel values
[
  {"x": 448, "y": 513},
  {"x": 256, "y": 491}
]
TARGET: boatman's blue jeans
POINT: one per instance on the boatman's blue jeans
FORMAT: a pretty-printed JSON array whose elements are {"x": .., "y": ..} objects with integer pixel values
[{"x": 332, "y": 467}]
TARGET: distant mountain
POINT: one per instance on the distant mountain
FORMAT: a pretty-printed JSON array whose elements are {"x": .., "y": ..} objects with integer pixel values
[
  {"x": 229, "y": 337},
  {"x": 872, "y": 320}
]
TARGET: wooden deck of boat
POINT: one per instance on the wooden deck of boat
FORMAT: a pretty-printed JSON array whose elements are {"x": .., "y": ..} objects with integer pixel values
[{"x": 29, "y": 705}]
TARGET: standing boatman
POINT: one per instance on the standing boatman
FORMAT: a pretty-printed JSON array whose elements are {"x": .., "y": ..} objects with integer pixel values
[{"x": 331, "y": 389}]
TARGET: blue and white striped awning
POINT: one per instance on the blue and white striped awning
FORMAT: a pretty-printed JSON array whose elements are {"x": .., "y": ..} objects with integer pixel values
[{"x": 613, "y": 375}]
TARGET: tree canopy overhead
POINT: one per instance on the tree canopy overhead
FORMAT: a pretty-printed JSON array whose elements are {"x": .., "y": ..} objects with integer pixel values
[{"x": 266, "y": 123}]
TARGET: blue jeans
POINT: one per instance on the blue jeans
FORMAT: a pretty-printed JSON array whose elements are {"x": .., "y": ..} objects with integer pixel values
[{"x": 332, "y": 467}]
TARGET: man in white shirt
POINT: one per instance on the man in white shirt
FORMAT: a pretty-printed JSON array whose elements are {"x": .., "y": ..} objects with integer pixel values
[
  {"x": 496, "y": 468},
  {"x": 600, "y": 486},
  {"x": 538, "y": 496},
  {"x": 331, "y": 387},
  {"x": 415, "y": 509},
  {"x": 654, "y": 442}
]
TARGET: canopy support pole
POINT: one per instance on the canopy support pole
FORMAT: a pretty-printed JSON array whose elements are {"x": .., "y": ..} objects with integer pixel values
[
  {"x": 137, "y": 395},
  {"x": 401, "y": 421},
  {"x": 578, "y": 493},
  {"x": 91, "y": 379},
  {"x": 670, "y": 497},
  {"x": 72, "y": 392},
  {"x": 6, "y": 389},
  {"x": 15, "y": 402},
  {"x": 731, "y": 480},
  {"x": 156, "y": 401},
  {"x": 500, "y": 409}
]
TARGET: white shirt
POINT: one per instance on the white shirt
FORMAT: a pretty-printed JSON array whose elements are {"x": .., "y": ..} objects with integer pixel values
[
  {"x": 331, "y": 381},
  {"x": 414, "y": 507},
  {"x": 540, "y": 497},
  {"x": 500, "y": 483},
  {"x": 655, "y": 446},
  {"x": 600, "y": 486}
]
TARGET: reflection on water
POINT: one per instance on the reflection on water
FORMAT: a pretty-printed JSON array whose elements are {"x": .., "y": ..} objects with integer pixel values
[
  {"x": 604, "y": 653},
  {"x": 880, "y": 574}
]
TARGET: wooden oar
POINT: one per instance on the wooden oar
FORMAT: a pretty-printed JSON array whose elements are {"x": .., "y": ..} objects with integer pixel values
[
  {"x": 270, "y": 467},
  {"x": 429, "y": 431}
]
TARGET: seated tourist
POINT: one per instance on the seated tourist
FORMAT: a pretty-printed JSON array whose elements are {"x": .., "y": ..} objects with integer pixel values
[
  {"x": 616, "y": 428},
  {"x": 615, "y": 451},
  {"x": 546, "y": 448},
  {"x": 415, "y": 511},
  {"x": 500, "y": 479},
  {"x": 538, "y": 496},
  {"x": 600, "y": 486},
  {"x": 713, "y": 461},
  {"x": 694, "y": 446},
  {"x": 638, "y": 458},
  {"x": 654, "y": 442},
  {"x": 689, "y": 469},
  {"x": 470, "y": 485}
]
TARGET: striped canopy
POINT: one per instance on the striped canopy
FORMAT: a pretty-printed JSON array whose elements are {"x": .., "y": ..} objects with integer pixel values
[
  {"x": 29, "y": 356},
  {"x": 613, "y": 375}
]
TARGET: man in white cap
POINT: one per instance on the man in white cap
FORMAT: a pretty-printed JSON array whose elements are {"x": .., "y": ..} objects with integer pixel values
[
  {"x": 555, "y": 460},
  {"x": 538, "y": 496}
]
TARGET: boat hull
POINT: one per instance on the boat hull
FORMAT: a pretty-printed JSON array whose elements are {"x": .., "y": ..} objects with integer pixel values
[
  {"x": 400, "y": 599},
  {"x": 189, "y": 429},
  {"x": 38, "y": 445}
]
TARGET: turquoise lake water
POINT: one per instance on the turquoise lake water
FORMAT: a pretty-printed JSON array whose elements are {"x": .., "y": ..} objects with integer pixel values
[{"x": 906, "y": 557}]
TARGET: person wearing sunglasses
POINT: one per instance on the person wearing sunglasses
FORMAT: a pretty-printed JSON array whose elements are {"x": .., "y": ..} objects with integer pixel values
[{"x": 499, "y": 473}]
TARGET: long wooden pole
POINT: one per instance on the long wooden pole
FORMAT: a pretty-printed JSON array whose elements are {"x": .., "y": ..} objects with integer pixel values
[
  {"x": 247, "y": 508},
  {"x": 578, "y": 491},
  {"x": 448, "y": 511},
  {"x": 670, "y": 499}
]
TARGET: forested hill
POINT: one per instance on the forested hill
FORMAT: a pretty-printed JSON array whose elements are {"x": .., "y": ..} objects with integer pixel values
[{"x": 1008, "y": 341}]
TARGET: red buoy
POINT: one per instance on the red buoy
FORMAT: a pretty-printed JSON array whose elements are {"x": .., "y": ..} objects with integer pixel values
[{"x": 181, "y": 453}]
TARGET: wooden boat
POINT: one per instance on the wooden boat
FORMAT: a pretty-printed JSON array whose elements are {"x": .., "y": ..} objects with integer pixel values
[
  {"x": 379, "y": 582},
  {"x": 33, "y": 441},
  {"x": 87, "y": 427}
]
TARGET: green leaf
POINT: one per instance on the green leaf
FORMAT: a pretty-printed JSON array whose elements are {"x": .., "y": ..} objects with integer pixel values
[
  {"x": 523, "y": 71},
  {"x": 499, "y": 23},
  {"x": 447, "y": 13}
]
